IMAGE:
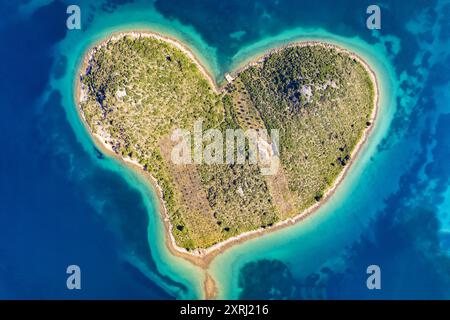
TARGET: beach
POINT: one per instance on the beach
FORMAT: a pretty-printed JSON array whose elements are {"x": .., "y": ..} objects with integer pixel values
[
  {"x": 78, "y": 204},
  {"x": 203, "y": 257}
]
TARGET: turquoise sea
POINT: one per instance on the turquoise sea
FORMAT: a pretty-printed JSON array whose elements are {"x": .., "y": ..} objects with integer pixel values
[{"x": 64, "y": 202}]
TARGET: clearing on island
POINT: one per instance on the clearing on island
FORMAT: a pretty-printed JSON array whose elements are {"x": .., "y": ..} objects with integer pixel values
[{"x": 137, "y": 90}]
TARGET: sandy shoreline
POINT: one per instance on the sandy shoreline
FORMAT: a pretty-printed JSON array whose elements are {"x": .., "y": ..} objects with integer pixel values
[{"x": 203, "y": 257}]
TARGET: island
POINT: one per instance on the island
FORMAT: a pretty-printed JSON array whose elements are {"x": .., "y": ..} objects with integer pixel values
[{"x": 137, "y": 88}]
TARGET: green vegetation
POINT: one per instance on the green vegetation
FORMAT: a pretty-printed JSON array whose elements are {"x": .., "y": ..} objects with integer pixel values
[
  {"x": 139, "y": 90},
  {"x": 321, "y": 100}
]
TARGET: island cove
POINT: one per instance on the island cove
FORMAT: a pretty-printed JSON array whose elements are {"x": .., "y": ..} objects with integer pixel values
[{"x": 136, "y": 88}]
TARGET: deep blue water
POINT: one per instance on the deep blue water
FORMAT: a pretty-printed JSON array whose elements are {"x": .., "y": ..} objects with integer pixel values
[
  {"x": 46, "y": 218},
  {"x": 59, "y": 207}
]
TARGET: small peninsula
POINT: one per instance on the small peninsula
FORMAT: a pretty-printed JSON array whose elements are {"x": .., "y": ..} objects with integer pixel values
[{"x": 136, "y": 88}]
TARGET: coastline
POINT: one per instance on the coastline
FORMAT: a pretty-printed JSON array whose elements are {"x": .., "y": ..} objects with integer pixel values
[{"x": 203, "y": 257}]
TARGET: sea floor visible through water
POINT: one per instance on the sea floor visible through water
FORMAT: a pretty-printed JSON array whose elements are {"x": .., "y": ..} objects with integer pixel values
[{"x": 77, "y": 205}]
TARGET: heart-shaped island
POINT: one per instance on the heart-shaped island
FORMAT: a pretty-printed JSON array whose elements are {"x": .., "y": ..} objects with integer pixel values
[{"x": 147, "y": 99}]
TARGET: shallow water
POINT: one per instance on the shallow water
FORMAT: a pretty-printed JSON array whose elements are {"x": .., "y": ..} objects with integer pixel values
[{"x": 65, "y": 203}]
